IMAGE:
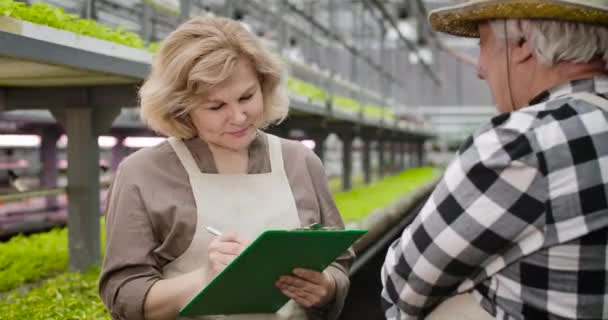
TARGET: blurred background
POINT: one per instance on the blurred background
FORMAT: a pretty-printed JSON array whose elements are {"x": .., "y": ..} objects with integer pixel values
[{"x": 373, "y": 52}]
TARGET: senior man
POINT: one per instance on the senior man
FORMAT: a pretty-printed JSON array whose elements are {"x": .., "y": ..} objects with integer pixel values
[{"x": 518, "y": 226}]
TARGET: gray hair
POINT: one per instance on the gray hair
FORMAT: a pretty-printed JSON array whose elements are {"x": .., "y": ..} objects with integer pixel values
[{"x": 556, "y": 41}]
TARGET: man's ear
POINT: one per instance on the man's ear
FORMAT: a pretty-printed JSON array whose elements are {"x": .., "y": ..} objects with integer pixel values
[{"x": 521, "y": 51}]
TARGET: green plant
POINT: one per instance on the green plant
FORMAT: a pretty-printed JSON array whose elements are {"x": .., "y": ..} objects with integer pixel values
[
  {"x": 306, "y": 89},
  {"x": 70, "y": 295},
  {"x": 377, "y": 111},
  {"x": 75, "y": 295},
  {"x": 154, "y": 46},
  {"x": 49, "y": 15},
  {"x": 26, "y": 259},
  {"x": 346, "y": 103},
  {"x": 335, "y": 183},
  {"x": 163, "y": 8},
  {"x": 373, "y": 110},
  {"x": 359, "y": 202}
]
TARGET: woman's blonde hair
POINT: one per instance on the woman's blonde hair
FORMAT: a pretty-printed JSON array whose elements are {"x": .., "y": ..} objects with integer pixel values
[{"x": 198, "y": 55}]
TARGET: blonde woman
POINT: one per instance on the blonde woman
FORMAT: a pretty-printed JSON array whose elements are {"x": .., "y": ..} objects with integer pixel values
[{"x": 211, "y": 89}]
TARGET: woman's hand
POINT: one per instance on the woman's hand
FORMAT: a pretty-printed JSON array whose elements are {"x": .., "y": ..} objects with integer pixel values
[
  {"x": 222, "y": 250},
  {"x": 309, "y": 288}
]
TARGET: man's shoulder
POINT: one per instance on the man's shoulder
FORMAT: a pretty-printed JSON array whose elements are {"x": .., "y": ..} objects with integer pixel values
[
  {"x": 549, "y": 127},
  {"x": 502, "y": 130},
  {"x": 566, "y": 106},
  {"x": 568, "y": 118},
  {"x": 571, "y": 114}
]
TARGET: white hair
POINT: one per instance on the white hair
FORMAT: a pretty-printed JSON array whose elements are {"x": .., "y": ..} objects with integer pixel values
[{"x": 556, "y": 41}]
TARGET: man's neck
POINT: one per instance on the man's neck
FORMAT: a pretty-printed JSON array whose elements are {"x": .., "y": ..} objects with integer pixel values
[{"x": 550, "y": 77}]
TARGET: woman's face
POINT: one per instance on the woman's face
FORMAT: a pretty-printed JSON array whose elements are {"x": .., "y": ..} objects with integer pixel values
[{"x": 230, "y": 114}]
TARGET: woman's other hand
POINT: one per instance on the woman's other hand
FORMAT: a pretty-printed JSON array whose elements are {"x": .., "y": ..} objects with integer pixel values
[
  {"x": 222, "y": 250},
  {"x": 309, "y": 288}
]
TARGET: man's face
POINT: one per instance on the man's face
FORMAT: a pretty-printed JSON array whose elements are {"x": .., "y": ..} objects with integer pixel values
[{"x": 492, "y": 67}]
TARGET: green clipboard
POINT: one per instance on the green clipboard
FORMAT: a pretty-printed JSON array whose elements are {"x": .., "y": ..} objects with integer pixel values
[{"x": 247, "y": 285}]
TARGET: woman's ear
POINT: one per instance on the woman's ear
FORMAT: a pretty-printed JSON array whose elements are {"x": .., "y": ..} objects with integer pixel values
[{"x": 521, "y": 51}]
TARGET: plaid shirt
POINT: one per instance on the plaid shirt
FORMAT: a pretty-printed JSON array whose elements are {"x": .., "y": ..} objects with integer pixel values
[{"x": 520, "y": 217}]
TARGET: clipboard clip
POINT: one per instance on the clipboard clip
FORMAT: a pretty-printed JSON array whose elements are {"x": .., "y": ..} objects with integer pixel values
[{"x": 316, "y": 226}]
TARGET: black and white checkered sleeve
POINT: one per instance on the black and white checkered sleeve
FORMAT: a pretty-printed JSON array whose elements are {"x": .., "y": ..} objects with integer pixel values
[{"x": 488, "y": 202}]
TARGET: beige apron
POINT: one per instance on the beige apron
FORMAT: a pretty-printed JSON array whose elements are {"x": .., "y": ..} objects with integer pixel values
[
  {"x": 461, "y": 307},
  {"x": 244, "y": 203}
]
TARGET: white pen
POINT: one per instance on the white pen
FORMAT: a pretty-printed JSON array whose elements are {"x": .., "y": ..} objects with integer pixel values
[{"x": 213, "y": 231}]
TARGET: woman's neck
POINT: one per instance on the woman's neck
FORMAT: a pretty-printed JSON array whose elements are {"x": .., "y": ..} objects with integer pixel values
[{"x": 230, "y": 161}]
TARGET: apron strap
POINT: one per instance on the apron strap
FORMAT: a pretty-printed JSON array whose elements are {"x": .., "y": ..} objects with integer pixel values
[
  {"x": 184, "y": 155},
  {"x": 276, "y": 155}
]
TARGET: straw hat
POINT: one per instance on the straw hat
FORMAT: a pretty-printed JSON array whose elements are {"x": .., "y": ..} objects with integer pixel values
[{"x": 462, "y": 20}]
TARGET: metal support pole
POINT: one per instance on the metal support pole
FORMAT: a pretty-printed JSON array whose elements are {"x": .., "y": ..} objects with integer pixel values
[
  {"x": 311, "y": 30},
  {"x": 83, "y": 125},
  {"x": 367, "y": 168},
  {"x": 353, "y": 59},
  {"x": 420, "y": 19},
  {"x": 48, "y": 158},
  {"x": 319, "y": 139},
  {"x": 119, "y": 152},
  {"x": 356, "y": 16},
  {"x": 147, "y": 29},
  {"x": 184, "y": 9},
  {"x": 384, "y": 81},
  {"x": 88, "y": 10},
  {"x": 83, "y": 189},
  {"x": 401, "y": 155},
  {"x": 420, "y": 150},
  {"x": 282, "y": 25},
  {"x": 393, "y": 155},
  {"x": 335, "y": 38},
  {"x": 347, "y": 160},
  {"x": 388, "y": 17},
  {"x": 381, "y": 146},
  {"x": 329, "y": 87},
  {"x": 228, "y": 8},
  {"x": 412, "y": 154}
]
